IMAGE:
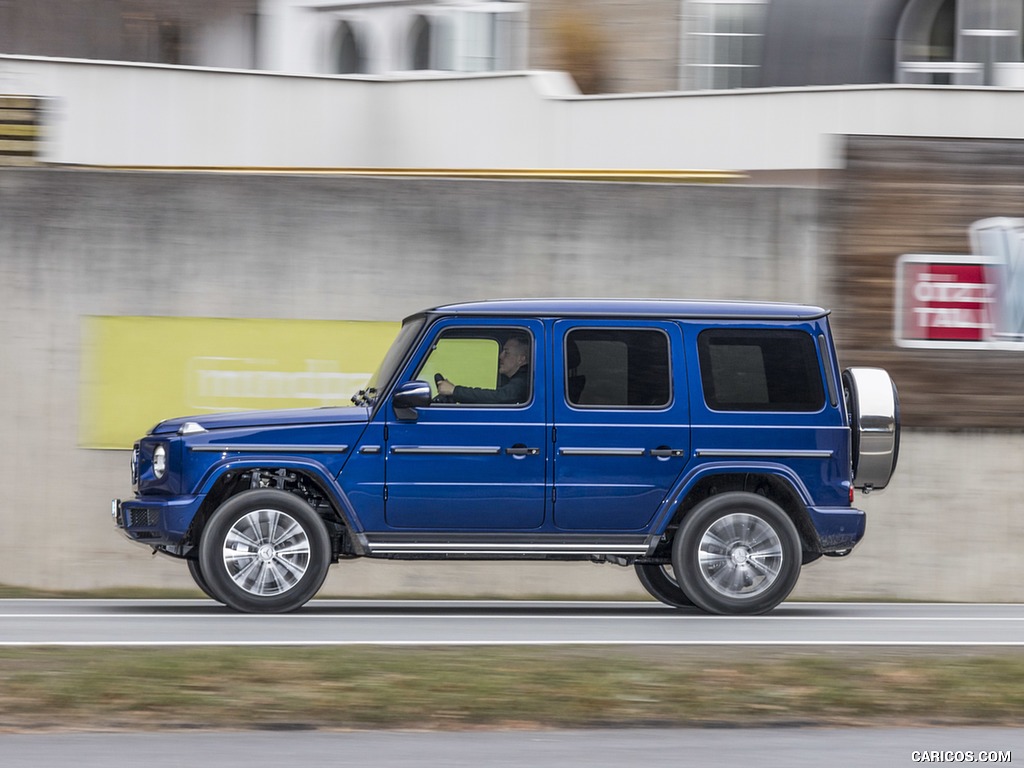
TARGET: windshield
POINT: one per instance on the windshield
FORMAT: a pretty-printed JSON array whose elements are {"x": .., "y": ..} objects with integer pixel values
[{"x": 389, "y": 365}]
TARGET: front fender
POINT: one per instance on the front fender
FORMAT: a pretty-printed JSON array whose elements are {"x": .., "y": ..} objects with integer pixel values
[{"x": 304, "y": 465}]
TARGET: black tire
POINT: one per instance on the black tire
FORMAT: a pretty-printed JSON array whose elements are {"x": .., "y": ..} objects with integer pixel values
[
  {"x": 197, "y": 576},
  {"x": 737, "y": 553},
  {"x": 662, "y": 585},
  {"x": 264, "y": 551}
]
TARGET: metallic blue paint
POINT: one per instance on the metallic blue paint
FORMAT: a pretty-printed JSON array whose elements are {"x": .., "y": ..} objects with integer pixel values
[
  {"x": 546, "y": 468},
  {"x": 248, "y": 419},
  {"x": 172, "y": 515}
]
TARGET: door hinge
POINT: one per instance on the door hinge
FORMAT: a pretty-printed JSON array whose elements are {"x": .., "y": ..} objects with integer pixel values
[
  {"x": 554, "y": 434},
  {"x": 385, "y": 493}
]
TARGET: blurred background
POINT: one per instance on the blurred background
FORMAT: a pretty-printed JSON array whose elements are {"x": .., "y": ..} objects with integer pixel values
[{"x": 221, "y": 204}]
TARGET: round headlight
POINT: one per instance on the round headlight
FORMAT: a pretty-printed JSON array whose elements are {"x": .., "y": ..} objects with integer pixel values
[{"x": 159, "y": 461}]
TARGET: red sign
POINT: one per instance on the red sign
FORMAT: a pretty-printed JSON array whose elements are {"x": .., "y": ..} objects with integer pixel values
[{"x": 943, "y": 299}]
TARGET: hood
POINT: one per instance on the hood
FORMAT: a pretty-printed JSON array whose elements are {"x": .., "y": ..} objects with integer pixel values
[{"x": 288, "y": 417}]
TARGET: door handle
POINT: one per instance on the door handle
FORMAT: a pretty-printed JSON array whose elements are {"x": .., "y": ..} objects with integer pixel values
[
  {"x": 665, "y": 453},
  {"x": 522, "y": 450}
]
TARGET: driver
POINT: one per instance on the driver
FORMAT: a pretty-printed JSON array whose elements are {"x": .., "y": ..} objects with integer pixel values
[{"x": 513, "y": 378}]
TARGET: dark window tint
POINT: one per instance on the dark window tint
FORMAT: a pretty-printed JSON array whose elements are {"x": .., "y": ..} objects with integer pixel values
[
  {"x": 760, "y": 370},
  {"x": 617, "y": 368}
]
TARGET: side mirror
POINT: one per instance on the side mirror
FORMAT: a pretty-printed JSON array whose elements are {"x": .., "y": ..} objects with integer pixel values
[{"x": 410, "y": 396}]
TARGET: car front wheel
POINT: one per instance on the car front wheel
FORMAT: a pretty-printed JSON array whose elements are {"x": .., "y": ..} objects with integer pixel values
[
  {"x": 264, "y": 551},
  {"x": 737, "y": 553},
  {"x": 200, "y": 580}
]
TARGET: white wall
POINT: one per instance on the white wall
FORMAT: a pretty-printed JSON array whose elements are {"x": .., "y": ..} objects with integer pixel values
[{"x": 134, "y": 114}]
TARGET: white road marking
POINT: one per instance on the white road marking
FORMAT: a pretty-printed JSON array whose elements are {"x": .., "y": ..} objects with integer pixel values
[{"x": 455, "y": 623}]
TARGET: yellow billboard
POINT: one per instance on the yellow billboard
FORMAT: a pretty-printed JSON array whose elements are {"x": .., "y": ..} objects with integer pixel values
[{"x": 137, "y": 371}]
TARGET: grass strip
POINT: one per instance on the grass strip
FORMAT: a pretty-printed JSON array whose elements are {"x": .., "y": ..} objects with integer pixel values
[{"x": 503, "y": 687}]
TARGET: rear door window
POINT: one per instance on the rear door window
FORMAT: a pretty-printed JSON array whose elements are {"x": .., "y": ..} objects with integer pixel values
[{"x": 617, "y": 368}]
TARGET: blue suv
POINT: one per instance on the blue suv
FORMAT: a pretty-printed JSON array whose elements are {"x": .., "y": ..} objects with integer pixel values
[{"x": 712, "y": 446}]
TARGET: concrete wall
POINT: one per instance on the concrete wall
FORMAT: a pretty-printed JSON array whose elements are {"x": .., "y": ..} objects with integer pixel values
[
  {"x": 104, "y": 113},
  {"x": 76, "y": 243}
]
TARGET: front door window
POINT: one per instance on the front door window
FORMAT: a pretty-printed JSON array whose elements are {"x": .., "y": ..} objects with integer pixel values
[{"x": 481, "y": 367}]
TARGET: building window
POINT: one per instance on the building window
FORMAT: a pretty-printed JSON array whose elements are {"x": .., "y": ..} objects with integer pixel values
[
  {"x": 723, "y": 43},
  {"x": 419, "y": 44},
  {"x": 961, "y": 42},
  {"x": 171, "y": 42},
  {"x": 490, "y": 37},
  {"x": 349, "y": 58}
]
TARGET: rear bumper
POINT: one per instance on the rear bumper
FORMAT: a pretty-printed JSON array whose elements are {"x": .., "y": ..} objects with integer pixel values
[
  {"x": 156, "y": 521},
  {"x": 839, "y": 528}
]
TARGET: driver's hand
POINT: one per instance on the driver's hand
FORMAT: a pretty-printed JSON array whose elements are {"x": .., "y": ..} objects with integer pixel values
[{"x": 445, "y": 387}]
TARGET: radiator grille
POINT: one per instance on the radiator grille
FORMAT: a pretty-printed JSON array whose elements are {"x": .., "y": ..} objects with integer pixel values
[{"x": 143, "y": 518}]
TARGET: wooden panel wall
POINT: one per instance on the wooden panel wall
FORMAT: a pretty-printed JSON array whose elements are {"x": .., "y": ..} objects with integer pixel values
[
  {"x": 20, "y": 131},
  {"x": 911, "y": 195}
]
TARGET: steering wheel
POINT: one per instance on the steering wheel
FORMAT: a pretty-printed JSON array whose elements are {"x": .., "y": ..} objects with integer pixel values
[{"x": 439, "y": 398}]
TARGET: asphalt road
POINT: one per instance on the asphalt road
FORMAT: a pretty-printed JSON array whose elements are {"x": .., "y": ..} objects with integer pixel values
[
  {"x": 330, "y": 622},
  {"x": 389, "y": 623},
  {"x": 793, "y": 748}
]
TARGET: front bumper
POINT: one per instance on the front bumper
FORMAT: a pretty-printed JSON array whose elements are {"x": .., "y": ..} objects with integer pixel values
[{"x": 156, "y": 520}]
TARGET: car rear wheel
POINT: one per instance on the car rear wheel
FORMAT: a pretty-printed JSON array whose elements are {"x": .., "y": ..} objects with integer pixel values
[
  {"x": 264, "y": 551},
  {"x": 660, "y": 582},
  {"x": 737, "y": 553}
]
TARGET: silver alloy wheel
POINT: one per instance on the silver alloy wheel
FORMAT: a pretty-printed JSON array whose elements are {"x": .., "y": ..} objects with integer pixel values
[
  {"x": 740, "y": 555},
  {"x": 266, "y": 552}
]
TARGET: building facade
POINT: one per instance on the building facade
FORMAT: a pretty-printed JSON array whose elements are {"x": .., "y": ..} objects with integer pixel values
[{"x": 609, "y": 46}]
